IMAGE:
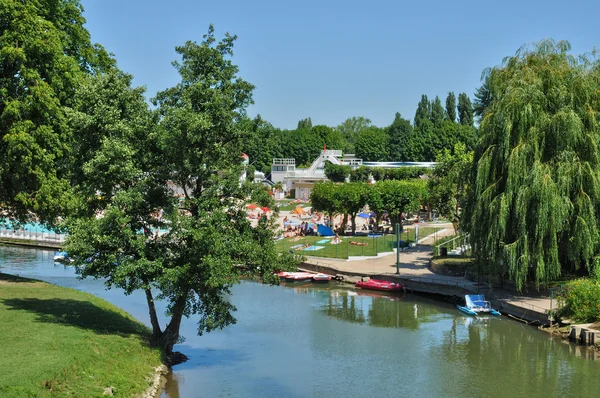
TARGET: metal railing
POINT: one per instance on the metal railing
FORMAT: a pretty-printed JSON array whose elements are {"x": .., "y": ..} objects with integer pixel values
[{"x": 32, "y": 235}]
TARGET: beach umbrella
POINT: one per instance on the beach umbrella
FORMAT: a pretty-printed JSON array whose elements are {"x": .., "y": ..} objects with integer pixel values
[
  {"x": 364, "y": 215},
  {"x": 265, "y": 209},
  {"x": 252, "y": 206}
]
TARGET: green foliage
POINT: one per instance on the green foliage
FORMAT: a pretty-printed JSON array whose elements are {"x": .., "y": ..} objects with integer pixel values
[
  {"x": 579, "y": 300},
  {"x": 400, "y": 140},
  {"x": 45, "y": 54},
  {"x": 372, "y": 144},
  {"x": 396, "y": 197},
  {"x": 263, "y": 144},
  {"x": 361, "y": 174},
  {"x": 324, "y": 198},
  {"x": 305, "y": 124},
  {"x": 437, "y": 112},
  {"x": 337, "y": 172},
  {"x": 423, "y": 112},
  {"x": 465, "y": 110},
  {"x": 448, "y": 184},
  {"x": 351, "y": 128},
  {"x": 329, "y": 137},
  {"x": 197, "y": 146},
  {"x": 450, "y": 111},
  {"x": 535, "y": 196}
]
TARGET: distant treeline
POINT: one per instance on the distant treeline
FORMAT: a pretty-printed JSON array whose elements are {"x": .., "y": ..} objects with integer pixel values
[{"x": 433, "y": 129}]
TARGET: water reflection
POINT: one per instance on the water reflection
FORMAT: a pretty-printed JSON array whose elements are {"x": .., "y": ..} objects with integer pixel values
[{"x": 328, "y": 341}]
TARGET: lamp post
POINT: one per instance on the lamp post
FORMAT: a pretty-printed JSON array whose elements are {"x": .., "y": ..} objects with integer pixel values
[{"x": 397, "y": 248}]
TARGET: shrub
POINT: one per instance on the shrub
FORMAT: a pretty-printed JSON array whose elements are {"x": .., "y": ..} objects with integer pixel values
[{"x": 580, "y": 300}]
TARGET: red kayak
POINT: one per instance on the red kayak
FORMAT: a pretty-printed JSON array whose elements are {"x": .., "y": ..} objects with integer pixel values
[{"x": 374, "y": 284}]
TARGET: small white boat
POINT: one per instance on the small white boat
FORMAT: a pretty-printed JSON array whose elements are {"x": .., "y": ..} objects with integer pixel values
[
  {"x": 476, "y": 304},
  {"x": 61, "y": 257},
  {"x": 321, "y": 277}
]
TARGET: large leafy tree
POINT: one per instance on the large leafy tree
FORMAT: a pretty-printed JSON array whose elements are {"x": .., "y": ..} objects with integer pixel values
[
  {"x": 197, "y": 148},
  {"x": 437, "y": 112},
  {"x": 465, "y": 110},
  {"x": 324, "y": 197},
  {"x": 449, "y": 180},
  {"x": 352, "y": 127},
  {"x": 400, "y": 139},
  {"x": 396, "y": 197},
  {"x": 372, "y": 144},
  {"x": 450, "y": 111},
  {"x": 535, "y": 202},
  {"x": 353, "y": 197},
  {"x": 45, "y": 52}
]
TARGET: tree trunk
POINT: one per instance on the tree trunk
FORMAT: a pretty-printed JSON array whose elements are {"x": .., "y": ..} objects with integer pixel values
[
  {"x": 353, "y": 221},
  {"x": 156, "y": 332},
  {"x": 171, "y": 334}
]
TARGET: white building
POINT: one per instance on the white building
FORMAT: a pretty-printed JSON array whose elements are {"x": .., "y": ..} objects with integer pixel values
[{"x": 303, "y": 180}]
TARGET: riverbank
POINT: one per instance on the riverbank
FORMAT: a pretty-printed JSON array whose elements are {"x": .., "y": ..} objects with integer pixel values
[
  {"x": 63, "y": 342},
  {"x": 415, "y": 273}
]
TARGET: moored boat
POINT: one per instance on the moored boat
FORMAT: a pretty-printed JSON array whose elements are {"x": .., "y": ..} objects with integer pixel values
[
  {"x": 385, "y": 286},
  {"x": 321, "y": 277},
  {"x": 476, "y": 304},
  {"x": 298, "y": 276},
  {"x": 62, "y": 257}
]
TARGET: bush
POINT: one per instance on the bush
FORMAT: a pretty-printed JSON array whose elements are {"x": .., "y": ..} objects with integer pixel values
[{"x": 580, "y": 300}]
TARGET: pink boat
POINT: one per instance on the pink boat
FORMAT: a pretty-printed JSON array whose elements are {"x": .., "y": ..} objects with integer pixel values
[{"x": 385, "y": 286}]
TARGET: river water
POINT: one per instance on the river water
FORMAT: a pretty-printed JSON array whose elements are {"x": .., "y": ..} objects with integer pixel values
[{"x": 329, "y": 341}]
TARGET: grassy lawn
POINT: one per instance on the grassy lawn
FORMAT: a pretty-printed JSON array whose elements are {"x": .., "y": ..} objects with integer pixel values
[
  {"x": 60, "y": 342},
  {"x": 345, "y": 249}
]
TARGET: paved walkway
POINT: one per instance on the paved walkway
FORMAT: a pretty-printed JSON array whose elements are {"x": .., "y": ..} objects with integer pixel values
[{"x": 414, "y": 264}]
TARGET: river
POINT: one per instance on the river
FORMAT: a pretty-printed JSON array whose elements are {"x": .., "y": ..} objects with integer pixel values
[{"x": 329, "y": 341}]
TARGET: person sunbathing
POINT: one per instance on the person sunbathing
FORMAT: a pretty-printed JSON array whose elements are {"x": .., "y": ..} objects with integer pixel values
[
  {"x": 352, "y": 242},
  {"x": 336, "y": 240},
  {"x": 306, "y": 246}
]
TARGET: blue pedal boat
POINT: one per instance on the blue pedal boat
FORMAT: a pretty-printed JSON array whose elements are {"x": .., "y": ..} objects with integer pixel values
[{"x": 475, "y": 304}]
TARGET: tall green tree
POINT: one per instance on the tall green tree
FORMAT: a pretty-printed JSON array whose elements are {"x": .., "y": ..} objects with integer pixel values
[
  {"x": 423, "y": 112},
  {"x": 437, "y": 112},
  {"x": 449, "y": 182},
  {"x": 400, "y": 139},
  {"x": 372, "y": 144},
  {"x": 45, "y": 53},
  {"x": 450, "y": 113},
  {"x": 193, "y": 265},
  {"x": 353, "y": 197},
  {"x": 352, "y": 127},
  {"x": 397, "y": 197},
  {"x": 465, "y": 110},
  {"x": 535, "y": 198},
  {"x": 305, "y": 124}
]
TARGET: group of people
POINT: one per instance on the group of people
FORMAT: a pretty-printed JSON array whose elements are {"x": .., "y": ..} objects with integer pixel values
[{"x": 303, "y": 229}]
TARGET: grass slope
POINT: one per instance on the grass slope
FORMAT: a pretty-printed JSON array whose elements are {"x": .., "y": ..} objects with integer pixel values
[{"x": 60, "y": 342}]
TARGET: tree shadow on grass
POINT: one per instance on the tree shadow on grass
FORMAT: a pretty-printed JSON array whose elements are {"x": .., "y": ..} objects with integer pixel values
[
  {"x": 15, "y": 279},
  {"x": 80, "y": 314}
]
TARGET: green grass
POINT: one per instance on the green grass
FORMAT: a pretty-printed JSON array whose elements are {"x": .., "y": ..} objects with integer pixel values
[
  {"x": 60, "y": 342},
  {"x": 345, "y": 249}
]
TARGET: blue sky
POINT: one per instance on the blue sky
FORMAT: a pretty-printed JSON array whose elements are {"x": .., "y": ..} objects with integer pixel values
[{"x": 330, "y": 60}]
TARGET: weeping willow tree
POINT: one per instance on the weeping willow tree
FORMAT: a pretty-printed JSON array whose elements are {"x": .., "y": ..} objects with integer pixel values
[{"x": 535, "y": 203}]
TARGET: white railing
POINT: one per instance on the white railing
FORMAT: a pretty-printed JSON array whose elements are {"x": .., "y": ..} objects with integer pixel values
[{"x": 32, "y": 235}]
